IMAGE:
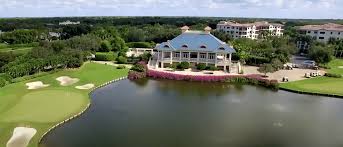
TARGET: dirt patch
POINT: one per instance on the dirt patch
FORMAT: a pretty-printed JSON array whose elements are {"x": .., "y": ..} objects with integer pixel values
[
  {"x": 66, "y": 81},
  {"x": 36, "y": 85},
  {"x": 87, "y": 86},
  {"x": 21, "y": 137}
]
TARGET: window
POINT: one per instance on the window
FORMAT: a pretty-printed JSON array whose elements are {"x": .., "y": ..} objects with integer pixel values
[
  {"x": 221, "y": 48},
  {"x": 211, "y": 56},
  {"x": 321, "y": 37},
  {"x": 331, "y": 33},
  {"x": 185, "y": 55},
  {"x": 322, "y": 32},
  {"x": 176, "y": 55},
  {"x": 202, "y": 56},
  {"x": 316, "y": 32},
  {"x": 339, "y": 33},
  {"x": 184, "y": 46},
  {"x": 166, "y": 46},
  {"x": 203, "y": 46},
  {"x": 308, "y": 31}
]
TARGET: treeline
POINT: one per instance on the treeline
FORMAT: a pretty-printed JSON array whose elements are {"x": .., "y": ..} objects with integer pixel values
[{"x": 257, "y": 52}]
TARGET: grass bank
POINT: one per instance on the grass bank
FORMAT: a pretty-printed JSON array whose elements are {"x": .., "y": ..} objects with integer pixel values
[
  {"x": 321, "y": 85},
  {"x": 43, "y": 108}
]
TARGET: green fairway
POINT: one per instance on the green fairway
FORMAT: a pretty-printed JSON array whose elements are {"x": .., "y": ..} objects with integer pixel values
[
  {"x": 43, "y": 108},
  {"x": 324, "y": 85}
]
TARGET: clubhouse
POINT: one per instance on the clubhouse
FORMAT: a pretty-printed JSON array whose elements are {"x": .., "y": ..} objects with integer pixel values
[{"x": 194, "y": 47}]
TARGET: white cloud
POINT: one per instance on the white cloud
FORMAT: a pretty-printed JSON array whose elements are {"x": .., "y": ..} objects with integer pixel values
[{"x": 249, "y": 8}]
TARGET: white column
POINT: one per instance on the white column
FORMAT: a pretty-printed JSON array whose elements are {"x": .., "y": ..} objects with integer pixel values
[
  {"x": 225, "y": 62},
  {"x": 198, "y": 57},
  {"x": 189, "y": 56},
  {"x": 158, "y": 55},
  {"x": 162, "y": 60},
  {"x": 180, "y": 56},
  {"x": 215, "y": 60},
  {"x": 171, "y": 57},
  {"x": 206, "y": 58}
]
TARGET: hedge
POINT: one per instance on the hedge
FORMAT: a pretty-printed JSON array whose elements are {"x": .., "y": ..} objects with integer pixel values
[
  {"x": 255, "y": 79},
  {"x": 254, "y": 60},
  {"x": 110, "y": 56},
  {"x": 139, "y": 45},
  {"x": 333, "y": 75}
]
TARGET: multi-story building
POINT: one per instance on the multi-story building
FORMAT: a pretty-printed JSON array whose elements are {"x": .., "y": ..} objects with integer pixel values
[
  {"x": 324, "y": 32},
  {"x": 68, "y": 22},
  {"x": 194, "y": 47},
  {"x": 249, "y": 30}
]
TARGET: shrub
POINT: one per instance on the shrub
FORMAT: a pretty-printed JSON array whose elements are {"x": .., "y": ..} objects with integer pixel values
[
  {"x": 173, "y": 66},
  {"x": 121, "y": 67},
  {"x": 121, "y": 60},
  {"x": 182, "y": 65},
  {"x": 254, "y": 60},
  {"x": 139, "y": 45},
  {"x": 138, "y": 68},
  {"x": 211, "y": 67},
  {"x": 333, "y": 75},
  {"x": 2, "y": 82},
  {"x": 105, "y": 46},
  {"x": 110, "y": 56},
  {"x": 136, "y": 75},
  {"x": 6, "y": 77},
  {"x": 255, "y": 79},
  {"x": 201, "y": 66}
]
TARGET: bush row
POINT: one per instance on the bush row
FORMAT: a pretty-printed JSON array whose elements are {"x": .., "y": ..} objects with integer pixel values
[
  {"x": 254, "y": 79},
  {"x": 333, "y": 75},
  {"x": 105, "y": 56}
]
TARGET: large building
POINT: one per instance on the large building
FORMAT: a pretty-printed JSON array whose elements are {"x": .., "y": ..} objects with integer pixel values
[
  {"x": 249, "y": 30},
  {"x": 194, "y": 47},
  {"x": 324, "y": 32}
]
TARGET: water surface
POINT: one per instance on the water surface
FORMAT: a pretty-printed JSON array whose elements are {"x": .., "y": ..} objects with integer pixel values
[{"x": 153, "y": 113}]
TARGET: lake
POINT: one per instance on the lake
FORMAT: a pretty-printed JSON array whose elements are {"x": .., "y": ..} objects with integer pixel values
[{"x": 162, "y": 113}]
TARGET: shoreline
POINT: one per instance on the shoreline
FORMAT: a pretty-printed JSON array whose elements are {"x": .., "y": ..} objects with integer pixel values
[
  {"x": 311, "y": 93},
  {"x": 81, "y": 112}
]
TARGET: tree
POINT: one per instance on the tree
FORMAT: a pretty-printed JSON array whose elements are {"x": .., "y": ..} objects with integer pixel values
[
  {"x": 105, "y": 46},
  {"x": 182, "y": 65},
  {"x": 266, "y": 68},
  {"x": 321, "y": 54},
  {"x": 121, "y": 60},
  {"x": 145, "y": 56},
  {"x": 201, "y": 66},
  {"x": 223, "y": 36},
  {"x": 277, "y": 64}
]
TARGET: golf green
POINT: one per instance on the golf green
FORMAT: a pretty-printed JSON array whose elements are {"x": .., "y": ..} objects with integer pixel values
[{"x": 37, "y": 106}]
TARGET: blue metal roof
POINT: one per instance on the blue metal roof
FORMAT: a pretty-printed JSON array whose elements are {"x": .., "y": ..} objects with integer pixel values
[{"x": 196, "y": 41}]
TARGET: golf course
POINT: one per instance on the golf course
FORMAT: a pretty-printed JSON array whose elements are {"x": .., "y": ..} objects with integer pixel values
[
  {"x": 323, "y": 85},
  {"x": 44, "y": 107}
]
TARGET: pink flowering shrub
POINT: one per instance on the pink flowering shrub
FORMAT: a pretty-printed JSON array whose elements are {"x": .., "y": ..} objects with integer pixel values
[
  {"x": 134, "y": 73},
  {"x": 254, "y": 79}
]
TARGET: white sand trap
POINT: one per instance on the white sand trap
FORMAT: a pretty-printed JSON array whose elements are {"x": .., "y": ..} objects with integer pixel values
[
  {"x": 66, "y": 81},
  {"x": 340, "y": 66},
  {"x": 21, "y": 137},
  {"x": 87, "y": 86},
  {"x": 36, "y": 85}
]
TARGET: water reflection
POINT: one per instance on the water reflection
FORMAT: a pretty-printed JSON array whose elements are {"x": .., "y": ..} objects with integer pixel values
[{"x": 186, "y": 114}]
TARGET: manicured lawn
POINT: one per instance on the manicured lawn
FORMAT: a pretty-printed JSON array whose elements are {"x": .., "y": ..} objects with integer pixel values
[
  {"x": 325, "y": 85},
  {"x": 43, "y": 108}
]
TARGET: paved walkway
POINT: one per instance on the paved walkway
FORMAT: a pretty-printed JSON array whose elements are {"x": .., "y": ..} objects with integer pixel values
[{"x": 293, "y": 75}]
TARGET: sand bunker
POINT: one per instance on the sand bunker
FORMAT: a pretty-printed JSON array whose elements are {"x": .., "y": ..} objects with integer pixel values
[
  {"x": 66, "y": 81},
  {"x": 340, "y": 66},
  {"x": 87, "y": 86},
  {"x": 36, "y": 85},
  {"x": 21, "y": 137}
]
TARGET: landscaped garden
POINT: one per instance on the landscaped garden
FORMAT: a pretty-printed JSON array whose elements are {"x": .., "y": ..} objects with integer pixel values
[
  {"x": 44, "y": 107},
  {"x": 323, "y": 85}
]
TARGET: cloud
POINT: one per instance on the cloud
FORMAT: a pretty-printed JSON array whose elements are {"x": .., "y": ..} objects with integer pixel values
[{"x": 238, "y": 8}]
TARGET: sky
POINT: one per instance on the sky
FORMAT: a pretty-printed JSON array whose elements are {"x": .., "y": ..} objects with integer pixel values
[{"x": 307, "y": 9}]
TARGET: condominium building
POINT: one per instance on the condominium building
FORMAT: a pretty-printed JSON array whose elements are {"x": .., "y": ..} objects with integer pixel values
[
  {"x": 324, "y": 32},
  {"x": 194, "y": 47},
  {"x": 249, "y": 30},
  {"x": 68, "y": 22}
]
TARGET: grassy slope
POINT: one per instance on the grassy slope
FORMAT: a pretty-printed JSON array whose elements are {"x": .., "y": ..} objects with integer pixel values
[
  {"x": 323, "y": 85},
  {"x": 15, "y": 99}
]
